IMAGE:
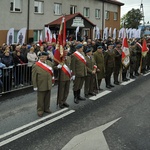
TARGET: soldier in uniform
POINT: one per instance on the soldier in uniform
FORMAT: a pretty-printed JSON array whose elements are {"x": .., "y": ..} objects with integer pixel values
[
  {"x": 91, "y": 70},
  {"x": 79, "y": 71},
  {"x": 42, "y": 72},
  {"x": 99, "y": 59},
  {"x": 118, "y": 57},
  {"x": 64, "y": 80},
  {"x": 109, "y": 60},
  {"x": 133, "y": 60},
  {"x": 138, "y": 48}
]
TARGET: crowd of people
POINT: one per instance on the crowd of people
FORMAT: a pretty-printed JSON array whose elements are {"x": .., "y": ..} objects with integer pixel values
[{"x": 85, "y": 62}]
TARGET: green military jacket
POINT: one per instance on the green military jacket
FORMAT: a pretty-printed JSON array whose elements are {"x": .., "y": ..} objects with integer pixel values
[
  {"x": 99, "y": 59},
  {"x": 42, "y": 79},
  {"x": 77, "y": 66}
]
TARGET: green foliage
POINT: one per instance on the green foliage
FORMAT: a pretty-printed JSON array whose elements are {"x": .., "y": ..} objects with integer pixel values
[{"x": 132, "y": 18}]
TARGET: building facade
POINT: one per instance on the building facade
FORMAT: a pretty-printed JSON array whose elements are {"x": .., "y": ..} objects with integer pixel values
[{"x": 34, "y": 14}]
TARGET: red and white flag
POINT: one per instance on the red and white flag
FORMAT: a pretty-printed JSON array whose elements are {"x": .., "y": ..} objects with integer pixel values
[
  {"x": 48, "y": 35},
  {"x": 58, "y": 55},
  {"x": 41, "y": 39},
  {"x": 125, "y": 52},
  {"x": 144, "y": 48},
  {"x": 54, "y": 38}
]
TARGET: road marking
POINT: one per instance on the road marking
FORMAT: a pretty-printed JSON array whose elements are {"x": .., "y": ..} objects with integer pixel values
[
  {"x": 31, "y": 123},
  {"x": 99, "y": 95},
  {"x": 127, "y": 82},
  {"x": 35, "y": 128},
  {"x": 146, "y": 74},
  {"x": 93, "y": 139}
]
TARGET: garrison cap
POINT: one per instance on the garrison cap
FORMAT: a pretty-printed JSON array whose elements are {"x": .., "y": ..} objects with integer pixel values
[
  {"x": 43, "y": 54},
  {"x": 79, "y": 46}
]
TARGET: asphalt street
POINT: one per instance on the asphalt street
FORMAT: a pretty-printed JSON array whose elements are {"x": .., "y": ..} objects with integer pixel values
[{"x": 81, "y": 127}]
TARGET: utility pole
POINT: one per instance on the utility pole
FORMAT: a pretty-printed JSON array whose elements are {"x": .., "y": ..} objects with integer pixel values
[{"x": 142, "y": 11}]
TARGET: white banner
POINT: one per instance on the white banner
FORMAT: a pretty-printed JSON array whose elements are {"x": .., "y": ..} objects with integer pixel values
[
  {"x": 21, "y": 36},
  {"x": 105, "y": 33},
  {"x": 110, "y": 32},
  {"x": 77, "y": 30},
  {"x": 97, "y": 33},
  {"x": 114, "y": 33},
  {"x": 10, "y": 36}
]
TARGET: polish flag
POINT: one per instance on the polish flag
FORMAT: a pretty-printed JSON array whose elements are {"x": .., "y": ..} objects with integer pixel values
[
  {"x": 41, "y": 39},
  {"x": 48, "y": 35},
  {"x": 144, "y": 48},
  {"x": 54, "y": 38}
]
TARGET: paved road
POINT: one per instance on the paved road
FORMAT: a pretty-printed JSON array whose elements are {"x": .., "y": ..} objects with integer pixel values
[{"x": 118, "y": 120}]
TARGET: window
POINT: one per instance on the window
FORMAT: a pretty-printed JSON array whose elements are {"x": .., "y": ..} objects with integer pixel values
[
  {"x": 15, "y": 5},
  {"x": 86, "y": 12},
  {"x": 106, "y": 14},
  {"x": 38, "y": 7},
  {"x": 57, "y": 9},
  {"x": 73, "y": 9},
  {"x": 115, "y": 15},
  {"x": 36, "y": 35},
  {"x": 97, "y": 13}
]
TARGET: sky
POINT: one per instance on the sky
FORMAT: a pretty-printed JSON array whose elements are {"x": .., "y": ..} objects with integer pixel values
[{"x": 129, "y": 4}]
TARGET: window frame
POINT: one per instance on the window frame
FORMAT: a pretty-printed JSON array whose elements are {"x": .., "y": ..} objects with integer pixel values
[
  {"x": 74, "y": 10},
  {"x": 115, "y": 16},
  {"x": 60, "y": 9},
  {"x": 13, "y": 6},
  {"x": 42, "y": 7},
  {"x": 86, "y": 8},
  {"x": 97, "y": 12},
  {"x": 107, "y": 14}
]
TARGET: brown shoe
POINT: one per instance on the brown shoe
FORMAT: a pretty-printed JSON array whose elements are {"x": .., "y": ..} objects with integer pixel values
[
  {"x": 47, "y": 111},
  {"x": 40, "y": 114}
]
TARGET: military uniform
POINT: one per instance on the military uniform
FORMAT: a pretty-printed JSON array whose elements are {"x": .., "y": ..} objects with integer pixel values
[
  {"x": 109, "y": 59},
  {"x": 138, "y": 57},
  {"x": 64, "y": 82},
  {"x": 117, "y": 67},
  {"x": 99, "y": 59},
  {"x": 89, "y": 79},
  {"x": 133, "y": 60},
  {"x": 42, "y": 80},
  {"x": 79, "y": 71}
]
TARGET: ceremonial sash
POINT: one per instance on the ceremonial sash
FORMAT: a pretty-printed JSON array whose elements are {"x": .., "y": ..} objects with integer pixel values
[
  {"x": 66, "y": 70},
  {"x": 45, "y": 67},
  {"x": 80, "y": 57},
  {"x": 139, "y": 45}
]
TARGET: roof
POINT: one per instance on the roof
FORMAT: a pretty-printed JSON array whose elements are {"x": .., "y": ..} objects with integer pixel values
[
  {"x": 67, "y": 18},
  {"x": 115, "y": 2}
]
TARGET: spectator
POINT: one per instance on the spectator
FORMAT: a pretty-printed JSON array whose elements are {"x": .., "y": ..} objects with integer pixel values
[{"x": 1, "y": 83}]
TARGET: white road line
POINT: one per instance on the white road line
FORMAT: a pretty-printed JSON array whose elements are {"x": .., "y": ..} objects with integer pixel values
[
  {"x": 146, "y": 74},
  {"x": 127, "y": 82},
  {"x": 99, "y": 95},
  {"x": 31, "y": 123},
  {"x": 35, "y": 128}
]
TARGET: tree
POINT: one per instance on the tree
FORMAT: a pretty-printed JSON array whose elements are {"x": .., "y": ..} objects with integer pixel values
[{"x": 132, "y": 19}]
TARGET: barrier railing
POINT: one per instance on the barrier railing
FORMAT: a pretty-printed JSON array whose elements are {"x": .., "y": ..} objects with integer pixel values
[{"x": 15, "y": 78}]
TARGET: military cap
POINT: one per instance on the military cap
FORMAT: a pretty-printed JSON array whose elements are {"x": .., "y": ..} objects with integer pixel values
[
  {"x": 99, "y": 47},
  {"x": 43, "y": 54},
  {"x": 88, "y": 50},
  {"x": 79, "y": 46}
]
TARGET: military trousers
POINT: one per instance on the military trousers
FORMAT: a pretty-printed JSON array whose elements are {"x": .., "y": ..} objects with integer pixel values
[
  {"x": 43, "y": 100},
  {"x": 63, "y": 91},
  {"x": 88, "y": 84},
  {"x": 78, "y": 83}
]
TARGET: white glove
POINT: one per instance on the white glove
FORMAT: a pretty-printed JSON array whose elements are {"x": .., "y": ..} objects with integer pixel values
[
  {"x": 59, "y": 66},
  {"x": 73, "y": 77},
  {"x": 35, "y": 89}
]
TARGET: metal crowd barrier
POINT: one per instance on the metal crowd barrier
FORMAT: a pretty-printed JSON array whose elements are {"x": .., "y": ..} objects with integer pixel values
[{"x": 15, "y": 78}]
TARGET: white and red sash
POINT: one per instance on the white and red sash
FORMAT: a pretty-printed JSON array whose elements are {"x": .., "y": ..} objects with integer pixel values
[
  {"x": 45, "y": 67},
  {"x": 80, "y": 57},
  {"x": 66, "y": 70},
  {"x": 139, "y": 45}
]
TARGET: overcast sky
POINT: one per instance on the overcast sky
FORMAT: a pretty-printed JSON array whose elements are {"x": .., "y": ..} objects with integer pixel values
[{"x": 129, "y": 4}]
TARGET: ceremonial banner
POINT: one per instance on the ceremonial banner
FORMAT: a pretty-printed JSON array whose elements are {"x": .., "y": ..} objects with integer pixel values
[
  {"x": 144, "y": 48},
  {"x": 21, "y": 36},
  {"x": 61, "y": 42},
  {"x": 110, "y": 30},
  {"x": 114, "y": 33},
  {"x": 125, "y": 52},
  {"x": 97, "y": 33},
  {"x": 105, "y": 33},
  {"x": 10, "y": 36},
  {"x": 54, "y": 38}
]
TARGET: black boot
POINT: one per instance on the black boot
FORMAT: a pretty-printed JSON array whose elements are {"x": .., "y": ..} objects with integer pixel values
[
  {"x": 75, "y": 98},
  {"x": 79, "y": 97}
]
